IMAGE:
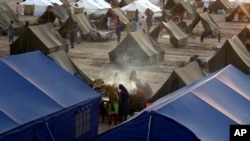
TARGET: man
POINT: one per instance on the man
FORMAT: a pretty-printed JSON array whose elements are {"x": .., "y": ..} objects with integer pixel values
[
  {"x": 11, "y": 32},
  {"x": 73, "y": 34},
  {"x": 149, "y": 22},
  {"x": 143, "y": 24},
  {"x": 118, "y": 31},
  {"x": 134, "y": 26}
]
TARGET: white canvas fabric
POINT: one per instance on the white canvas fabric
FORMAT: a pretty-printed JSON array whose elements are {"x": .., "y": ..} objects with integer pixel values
[
  {"x": 94, "y": 6},
  {"x": 142, "y": 5},
  {"x": 41, "y": 5}
]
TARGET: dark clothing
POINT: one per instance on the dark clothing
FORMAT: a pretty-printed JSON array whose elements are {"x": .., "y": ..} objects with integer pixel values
[
  {"x": 73, "y": 34},
  {"x": 11, "y": 33},
  {"x": 124, "y": 103},
  {"x": 118, "y": 31},
  {"x": 203, "y": 35}
]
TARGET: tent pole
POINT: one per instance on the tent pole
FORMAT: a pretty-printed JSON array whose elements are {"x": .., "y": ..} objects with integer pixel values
[{"x": 149, "y": 127}]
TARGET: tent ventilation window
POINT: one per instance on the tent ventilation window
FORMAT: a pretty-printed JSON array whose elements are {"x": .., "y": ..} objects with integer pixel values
[{"x": 82, "y": 121}]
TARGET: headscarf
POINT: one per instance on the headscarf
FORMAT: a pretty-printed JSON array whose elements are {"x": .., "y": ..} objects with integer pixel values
[{"x": 112, "y": 94}]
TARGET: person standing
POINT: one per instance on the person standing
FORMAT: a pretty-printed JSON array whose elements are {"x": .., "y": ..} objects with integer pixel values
[
  {"x": 109, "y": 22},
  {"x": 118, "y": 31},
  {"x": 219, "y": 36},
  {"x": 136, "y": 15},
  {"x": 202, "y": 36},
  {"x": 143, "y": 24},
  {"x": 134, "y": 26},
  {"x": 11, "y": 32},
  {"x": 113, "y": 104},
  {"x": 149, "y": 19},
  {"x": 123, "y": 103},
  {"x": 18, "y": 10},
  {"x": 73, "y": 34}
]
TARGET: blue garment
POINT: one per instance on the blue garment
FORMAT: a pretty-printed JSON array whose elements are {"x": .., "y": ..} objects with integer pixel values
[
  {"x": 118, "y": 31},
  {"x": 134, "y": 26}
]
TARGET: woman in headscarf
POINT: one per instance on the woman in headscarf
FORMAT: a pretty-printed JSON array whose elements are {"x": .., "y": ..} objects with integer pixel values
[
  {"x": 113, "y": 107},
  {"x": 123, "y": 103}
]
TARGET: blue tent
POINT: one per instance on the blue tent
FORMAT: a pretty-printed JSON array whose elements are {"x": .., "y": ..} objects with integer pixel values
[
  {"x": 40, "y": 101},
  {"x": 202, "y": 110}
]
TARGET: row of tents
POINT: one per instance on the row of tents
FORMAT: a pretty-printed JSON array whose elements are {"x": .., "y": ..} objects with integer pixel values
[{"x": 63, "y": 107}]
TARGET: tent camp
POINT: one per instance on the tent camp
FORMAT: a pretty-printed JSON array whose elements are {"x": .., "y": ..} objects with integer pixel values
[
  {"x": 102, "y": 23},
  {"x": 179, "y": 78},
  {"x": 98, "y": 7},
  {"x": 141, "y": 6},
  {"x": 179, "y": 8},
  {"x": 209, "y": 25},
  {"x": 241, "y": 9},
  {"x": 203, "y": 110},
  {"x": 61, "y": 58},
  {"x": 178, "y": 37},
  {"x": 41, "y": 101},
  {"x": 137, "y": 48},
  {"x": 41, "y": 37},
  {"x": 87, "y": 29},
  {"x": 59, "y": 12},
  {"x": 221, "y": 4},
  {"x": 38, "y": 7},
  {"x": 232, "y": 52}
]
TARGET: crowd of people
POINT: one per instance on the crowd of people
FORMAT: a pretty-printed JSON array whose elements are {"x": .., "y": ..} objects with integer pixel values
[{"x": 120, "y": 102}]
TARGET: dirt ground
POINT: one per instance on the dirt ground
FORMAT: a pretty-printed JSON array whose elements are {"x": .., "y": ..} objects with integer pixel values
[{"x": 92, "y": 57}]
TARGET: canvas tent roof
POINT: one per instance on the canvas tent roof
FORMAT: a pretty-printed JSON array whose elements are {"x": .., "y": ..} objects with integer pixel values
[
  {"x": 207, "y": 22},
  {"x": 94, "y": 6},
  {"x": 243, "y": 8},
  {"x": 232, "y": 52},
  {"x": 4, "y": 6},
  {"x": 137, "y": 48},
  {"x": 179, "y": 7},
  {"x": 142, "y": 5},
  {"x": 41, "y": 37},
  {"x": 206, "y": 108},
  {"x": 178, "y": 37},
  {"x": 102, "y": 23},
  {"x": 6, "y": 17},
  {"x": 42, "y": 2},
  {"x": 179, "y": 78},
  {"x": 59, "y": 12},
  {"x": 221, "y": 4},
  {"x": 244, "y": 34},
  {"x": 125, "y": 2},
  {"x": 65, "y": 62},
  {"x": 35, "y": 90},
  {"x": 82, "y": 21}
]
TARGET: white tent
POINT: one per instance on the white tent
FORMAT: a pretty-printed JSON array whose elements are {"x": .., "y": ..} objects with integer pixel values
[
  {"x": 155, "y": 1},
  {"x": 142, "y": 5},
  {"x": 40, "y": 5},
  {"x": 98, "y": 7}
]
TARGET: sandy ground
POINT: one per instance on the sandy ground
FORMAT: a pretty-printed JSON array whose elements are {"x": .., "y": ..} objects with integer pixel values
[{"x": 92, "y": 57}]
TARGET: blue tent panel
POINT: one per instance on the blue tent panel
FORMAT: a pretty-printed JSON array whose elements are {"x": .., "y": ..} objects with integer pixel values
[
  {"x": 206, "y": 107},
  {"x": 34, "y": 87}
]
